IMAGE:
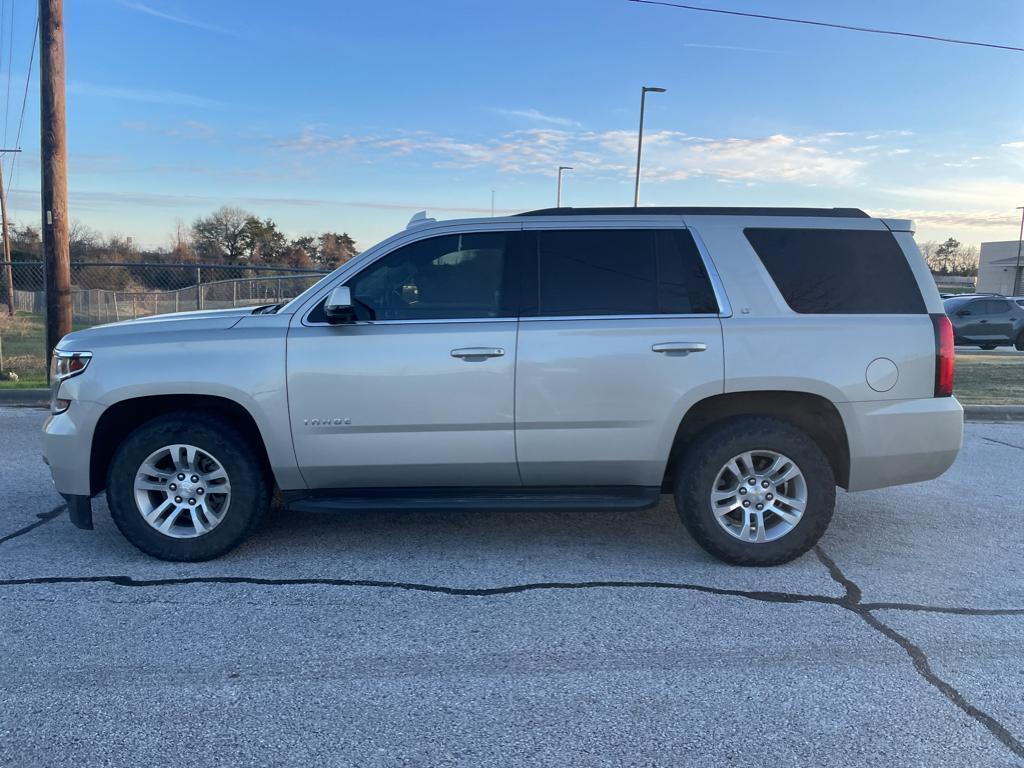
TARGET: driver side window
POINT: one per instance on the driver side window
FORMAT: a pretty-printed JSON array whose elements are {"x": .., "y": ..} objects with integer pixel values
[{"x": 440, "y": 278}]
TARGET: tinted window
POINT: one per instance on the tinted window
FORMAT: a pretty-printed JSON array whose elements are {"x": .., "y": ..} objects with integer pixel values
[
  {"x": 614, "y": 272},
  {"x": 835, "y": 271},
  {"x": 996, "y": 307},
  {"x": 440, "y": 278}
]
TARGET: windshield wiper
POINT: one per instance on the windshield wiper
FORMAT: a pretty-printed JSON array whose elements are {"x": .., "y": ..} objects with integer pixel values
[{"x": 268, "y": 309}]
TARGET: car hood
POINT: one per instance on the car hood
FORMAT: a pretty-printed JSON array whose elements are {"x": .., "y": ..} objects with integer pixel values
[{"x": 183, "y": 323}]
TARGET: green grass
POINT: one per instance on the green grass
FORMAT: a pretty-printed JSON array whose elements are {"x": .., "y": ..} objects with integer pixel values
[{"x": 990, "y": 379}]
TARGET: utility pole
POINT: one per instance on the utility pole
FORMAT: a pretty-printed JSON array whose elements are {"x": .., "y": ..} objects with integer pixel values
[
  {"x": 8, "y": 270},
  {"x": 54, "y": 173},
  {"x": 558, "y": 193},
  {"x": 1020, "y": 240}
]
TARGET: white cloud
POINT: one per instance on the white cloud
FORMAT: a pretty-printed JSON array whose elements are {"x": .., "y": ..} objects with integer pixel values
[
  {"x": 668, "y": 155},
  {"x": 730, "y": 48},
  {"x": 189, "y": 129},
  {"x": 536, "y": 116},
  {"x": 147, "y": 95},
  {"x": 951, "y": 219},
  {"x": 771, "y": 158},
  {"x": 979, "y": 194},
  {"x": 185, "y": 20}
]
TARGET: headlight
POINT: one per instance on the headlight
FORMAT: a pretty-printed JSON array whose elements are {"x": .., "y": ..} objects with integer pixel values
[{"x": 63, "y": 366}]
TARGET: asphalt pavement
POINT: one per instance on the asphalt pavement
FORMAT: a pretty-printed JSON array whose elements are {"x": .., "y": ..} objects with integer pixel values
[{"x": 533, "y": 638}]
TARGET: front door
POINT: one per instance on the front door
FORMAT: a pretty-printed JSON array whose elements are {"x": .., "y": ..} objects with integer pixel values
[{"x": 418, "y": 390}]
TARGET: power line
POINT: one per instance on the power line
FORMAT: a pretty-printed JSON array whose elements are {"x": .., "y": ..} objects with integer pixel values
[
  {"x": 831, "y": 25},
  {"x": 10, "y": 56},
  {"x": 24, "y": 101}
]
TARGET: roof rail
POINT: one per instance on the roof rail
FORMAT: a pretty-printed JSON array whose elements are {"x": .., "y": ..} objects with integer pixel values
[{"x": 825, "y": 213}]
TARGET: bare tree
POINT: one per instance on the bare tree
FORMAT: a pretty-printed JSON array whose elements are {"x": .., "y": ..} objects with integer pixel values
[
  {"x": 222, "y": 235},
  {"x": 84, "y": 240},
  {"x": 928, "y": 249},
  {"x": 181, "y": 244}
]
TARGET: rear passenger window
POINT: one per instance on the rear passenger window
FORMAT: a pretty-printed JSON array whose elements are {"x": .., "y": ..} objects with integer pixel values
[
  {"x": 614, "y": 272},
  {"x": 838, "y": 271}
]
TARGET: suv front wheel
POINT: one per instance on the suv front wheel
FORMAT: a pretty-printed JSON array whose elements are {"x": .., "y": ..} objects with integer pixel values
[
  {"x": 186, "y": 486},
  {"x": 755, "y": 490}
]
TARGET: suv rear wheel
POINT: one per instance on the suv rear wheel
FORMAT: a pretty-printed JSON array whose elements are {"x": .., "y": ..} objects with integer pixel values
[
  {"x": 186, "y": 487},
  {"x": 755, "y": 490}
]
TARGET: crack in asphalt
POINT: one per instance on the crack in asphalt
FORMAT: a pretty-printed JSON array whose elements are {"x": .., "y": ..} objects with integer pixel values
[
  {"x": 128, "y": 581},
  {"x": 1002, "y": 442},
  {"x": 44, "y": 518},
  {"x": 852, "y": 602}
]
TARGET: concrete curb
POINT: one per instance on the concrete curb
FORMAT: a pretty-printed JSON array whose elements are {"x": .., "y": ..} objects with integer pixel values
[
  {"x": 25, "y": 397},
  {"x": 41, "y": 398},
  {"x": 993, "y": 412}
]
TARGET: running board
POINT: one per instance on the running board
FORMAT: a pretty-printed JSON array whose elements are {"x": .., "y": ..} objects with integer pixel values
[{"x": 607, "y": 497}]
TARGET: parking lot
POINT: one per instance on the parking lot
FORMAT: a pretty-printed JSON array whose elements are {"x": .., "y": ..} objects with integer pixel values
[{"x": 600, "y": 638}]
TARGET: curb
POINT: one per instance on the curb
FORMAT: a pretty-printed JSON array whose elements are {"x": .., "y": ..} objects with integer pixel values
[
  {"x": 41, "y": 398},
  {"x": 25, "y": 397},
  {"x": 993, "y": 412}
]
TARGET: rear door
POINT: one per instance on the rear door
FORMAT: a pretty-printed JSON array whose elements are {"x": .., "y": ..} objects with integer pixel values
[{"x": 619, "y": 335}]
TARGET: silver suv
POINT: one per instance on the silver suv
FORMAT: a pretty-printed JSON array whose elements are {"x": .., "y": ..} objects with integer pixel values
[{"x": 746, "y": 361}]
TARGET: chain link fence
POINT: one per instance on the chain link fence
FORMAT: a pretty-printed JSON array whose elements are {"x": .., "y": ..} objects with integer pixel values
[{"x": 106, "y": 292}]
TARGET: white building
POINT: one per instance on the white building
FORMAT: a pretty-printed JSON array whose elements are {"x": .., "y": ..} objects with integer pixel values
[{"x": 996, "y": 267}]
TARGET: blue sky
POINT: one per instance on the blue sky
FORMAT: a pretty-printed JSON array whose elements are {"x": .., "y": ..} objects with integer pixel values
[{"x": 339, "y": 115}]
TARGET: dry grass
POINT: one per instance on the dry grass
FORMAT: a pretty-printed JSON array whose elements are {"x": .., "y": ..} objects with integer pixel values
[
  {"x": 990, "y": 379},
  {"x": 24, "y": 349}
]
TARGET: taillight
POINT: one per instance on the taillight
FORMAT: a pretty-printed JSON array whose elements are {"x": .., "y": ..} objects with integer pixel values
[{"x": 944, "y": 355}]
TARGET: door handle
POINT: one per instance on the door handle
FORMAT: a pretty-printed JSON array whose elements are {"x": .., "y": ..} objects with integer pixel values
[
  {"x": 469, "y": 353},
  {"x": 679, "y": 347}
]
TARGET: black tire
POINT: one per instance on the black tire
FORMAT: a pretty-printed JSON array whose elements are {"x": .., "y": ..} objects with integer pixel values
[
  {"x": 707, "y": 455},
  {"x": 1019, "y": 344},
  {"x": 250, "y": 486}
]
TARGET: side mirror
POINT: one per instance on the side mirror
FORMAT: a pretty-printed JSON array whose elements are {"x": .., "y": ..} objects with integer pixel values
[{"x": 338, "y": 307}]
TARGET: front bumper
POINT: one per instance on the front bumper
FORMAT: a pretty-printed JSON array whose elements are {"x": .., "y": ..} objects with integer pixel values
[
  {"x": 67, "y": 447},
  {"x": 893, "y": 442}
]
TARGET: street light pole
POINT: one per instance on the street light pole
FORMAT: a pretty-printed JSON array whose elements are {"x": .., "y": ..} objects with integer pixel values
[
  {"x": 640, "y": 140},
  {"x": 1020, "y": 240},
  {"x": 558, "y": 194}
]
